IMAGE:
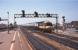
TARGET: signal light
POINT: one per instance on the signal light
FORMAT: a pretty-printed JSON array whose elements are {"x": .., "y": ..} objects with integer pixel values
[
  {"x": 63, "y": 18},
  {"x": 23, "y": 13},
  {"x": 36, "y": 14},
  {"x": 48, "y": 15}
]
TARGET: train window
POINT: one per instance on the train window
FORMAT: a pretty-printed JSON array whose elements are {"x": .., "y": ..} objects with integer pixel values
[{"x": 48, "y": 24}]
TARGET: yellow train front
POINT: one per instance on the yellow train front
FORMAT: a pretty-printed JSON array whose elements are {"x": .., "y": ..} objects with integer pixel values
[{"x": 45, "y": 27}]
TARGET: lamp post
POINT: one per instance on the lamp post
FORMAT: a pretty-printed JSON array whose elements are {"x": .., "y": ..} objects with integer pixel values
[
  {"x": 8, "y": 22},
  {"x": 63, "y": 22},
  {"x": 56, "y": 24}
]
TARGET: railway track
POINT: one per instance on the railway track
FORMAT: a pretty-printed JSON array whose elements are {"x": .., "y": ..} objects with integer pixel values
[{"x": 39, "y": 45}]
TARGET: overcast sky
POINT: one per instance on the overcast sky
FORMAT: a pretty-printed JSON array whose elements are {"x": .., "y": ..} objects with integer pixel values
[{"x": 67, "y": 8}]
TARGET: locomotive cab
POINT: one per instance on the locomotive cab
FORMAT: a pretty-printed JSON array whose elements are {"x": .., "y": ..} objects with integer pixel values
[{"x": 46, "y": 27}]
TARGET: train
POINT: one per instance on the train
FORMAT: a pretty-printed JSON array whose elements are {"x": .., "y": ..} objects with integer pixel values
[
  {"x": 5, "y": 26},
  {"x": 45, "y": 27}
]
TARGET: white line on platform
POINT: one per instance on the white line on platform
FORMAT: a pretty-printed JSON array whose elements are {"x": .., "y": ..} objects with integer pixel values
[
  {"x": 20, "y": 40},
  {"x": 11, "y": 48}
]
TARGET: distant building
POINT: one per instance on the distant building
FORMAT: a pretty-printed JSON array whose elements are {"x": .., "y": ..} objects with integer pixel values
[
  {"x": 68, "y": 25},
  {"x": 74, "y": 24},
  {"x": 3, "y": 26}
]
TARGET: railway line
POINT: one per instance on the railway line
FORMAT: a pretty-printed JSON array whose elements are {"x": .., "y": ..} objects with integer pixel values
[{"x": 40, "y": 45}]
